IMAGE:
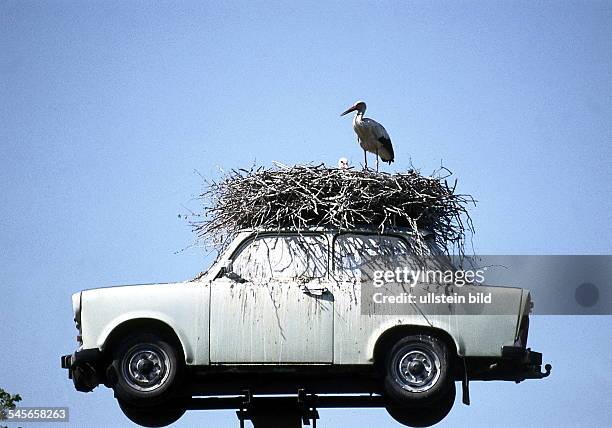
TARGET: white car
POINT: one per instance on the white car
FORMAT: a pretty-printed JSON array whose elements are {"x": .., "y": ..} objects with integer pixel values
[{"x": 287, "y": 311}]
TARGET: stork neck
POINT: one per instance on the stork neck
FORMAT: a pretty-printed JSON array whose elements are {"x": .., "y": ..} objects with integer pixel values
[{"x": 358, "y": 117}]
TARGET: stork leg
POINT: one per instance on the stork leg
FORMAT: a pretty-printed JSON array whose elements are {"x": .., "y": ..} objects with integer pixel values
[
  {"x": 376, "y": 160},
  {"x": 365, "y": 158}
]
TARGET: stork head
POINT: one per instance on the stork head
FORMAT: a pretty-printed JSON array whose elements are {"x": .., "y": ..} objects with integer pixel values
[
  {"x": 359, "y": 107},
  {"x": 343, "y": 163}
]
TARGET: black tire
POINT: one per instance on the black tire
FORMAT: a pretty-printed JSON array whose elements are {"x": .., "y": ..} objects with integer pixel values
[
  {"x": 146, "y": 369},
  {"x": 158, "y": 416},
  {"x": 425, "y": 414},
  {"x": 417, "y": 370}
]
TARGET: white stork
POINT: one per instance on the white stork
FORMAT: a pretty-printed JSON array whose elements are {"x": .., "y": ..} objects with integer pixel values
[{"x": 371, "y": 135}]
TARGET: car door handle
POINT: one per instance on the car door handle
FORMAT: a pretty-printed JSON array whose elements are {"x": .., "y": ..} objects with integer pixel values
[{"x": 314, "y": 291}]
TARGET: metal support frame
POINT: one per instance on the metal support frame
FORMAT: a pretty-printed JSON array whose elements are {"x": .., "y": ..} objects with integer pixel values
[{"x": 300, "y": 409}]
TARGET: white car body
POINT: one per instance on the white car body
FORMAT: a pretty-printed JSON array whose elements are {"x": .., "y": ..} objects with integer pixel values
[{"x": 220, "y": 321}]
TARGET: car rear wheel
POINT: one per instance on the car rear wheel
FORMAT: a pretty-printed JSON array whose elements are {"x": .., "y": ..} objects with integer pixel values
[
  {"x": 425, "y": 414},
  {"x": 159, "y": 416},
  {"x": 417, "y": 369},
  {"x": 147, "y": 368}
]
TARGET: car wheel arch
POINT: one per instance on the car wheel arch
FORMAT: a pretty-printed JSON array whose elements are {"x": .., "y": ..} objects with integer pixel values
[
  {"x": 389, "y": 337},
  {"x": 151, "y": 325}
]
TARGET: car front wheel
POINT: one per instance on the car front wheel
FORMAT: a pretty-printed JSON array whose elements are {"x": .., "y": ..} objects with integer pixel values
[
  {"x": 417, "y": 369},
  {"x": 147, "y": 368}
]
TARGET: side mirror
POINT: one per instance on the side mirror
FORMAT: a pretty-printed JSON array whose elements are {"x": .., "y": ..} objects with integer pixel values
[
  {"x": 226, "y": 267},
  {"x": 226, "y": 271}
]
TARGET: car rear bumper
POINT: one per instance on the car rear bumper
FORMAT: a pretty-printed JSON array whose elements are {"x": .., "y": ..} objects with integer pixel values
[
  {"x": 529, "y": 361},
  {"x": 84, "y": 368},
  {"x": 517, "y": 364}
]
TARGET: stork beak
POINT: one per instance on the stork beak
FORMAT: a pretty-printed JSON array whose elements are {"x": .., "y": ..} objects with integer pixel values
[{"x": 353, "y": 108}]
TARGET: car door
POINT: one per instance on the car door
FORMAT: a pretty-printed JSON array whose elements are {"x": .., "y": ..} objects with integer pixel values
[
  {"x": 356, "y": 258},
  {"x": 272, "y": 304}
]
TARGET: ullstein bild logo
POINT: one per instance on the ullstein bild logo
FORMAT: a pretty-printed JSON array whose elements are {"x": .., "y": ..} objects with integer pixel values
[
  {"x": 433, "y": 298},
  {"x": 413, "y": 277},
  {"x": 554, "y": 285}
]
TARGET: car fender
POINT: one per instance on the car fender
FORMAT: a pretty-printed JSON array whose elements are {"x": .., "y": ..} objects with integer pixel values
[{"x": 152, "y": 315}]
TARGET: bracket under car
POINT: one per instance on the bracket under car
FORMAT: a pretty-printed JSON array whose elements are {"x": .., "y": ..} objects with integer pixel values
[{"x": 286, "y": 411}]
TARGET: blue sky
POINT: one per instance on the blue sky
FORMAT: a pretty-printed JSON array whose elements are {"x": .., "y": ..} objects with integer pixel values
[{"x": 107, "y": 108}]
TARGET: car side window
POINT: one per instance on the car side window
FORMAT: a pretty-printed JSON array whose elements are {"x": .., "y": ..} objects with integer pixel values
[
  {"x": 358, "y": 256},
  {"x": 282, "y": 258}
]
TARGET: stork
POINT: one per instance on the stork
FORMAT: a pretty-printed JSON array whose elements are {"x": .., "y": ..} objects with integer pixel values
[{"x": 371, "y": 135}]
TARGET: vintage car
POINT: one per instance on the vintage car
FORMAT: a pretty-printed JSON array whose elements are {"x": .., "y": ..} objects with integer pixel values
[{"x": 283, "y": 311}]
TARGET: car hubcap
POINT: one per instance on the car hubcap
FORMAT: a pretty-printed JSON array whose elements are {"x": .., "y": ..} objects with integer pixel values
[
  {"x": 145, "y": 367},
  {"x": 417, "y": 369}
]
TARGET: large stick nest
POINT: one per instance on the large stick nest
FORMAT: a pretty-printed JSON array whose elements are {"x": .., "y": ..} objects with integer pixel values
[{"x": 304, "y": 196}]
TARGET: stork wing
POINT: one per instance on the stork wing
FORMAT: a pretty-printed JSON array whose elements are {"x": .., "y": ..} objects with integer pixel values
[
  {"x": 379, "y": 133},
  {"x": 375, "y": 129}
]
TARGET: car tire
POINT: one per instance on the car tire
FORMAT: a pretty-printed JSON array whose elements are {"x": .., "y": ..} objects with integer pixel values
[
  {"x": 146, "y": 369},
  {"x": 417, "y": 369},
  {"x": 425, "y": 414},
  {"x": 159, "y": 416}
]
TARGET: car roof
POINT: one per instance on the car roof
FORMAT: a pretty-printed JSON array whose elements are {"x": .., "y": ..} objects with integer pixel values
[{"x": 329, "y": 229}]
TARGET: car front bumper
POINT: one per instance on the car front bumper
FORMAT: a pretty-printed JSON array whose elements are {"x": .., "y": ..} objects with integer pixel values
[{"x": 85, "y": 368}]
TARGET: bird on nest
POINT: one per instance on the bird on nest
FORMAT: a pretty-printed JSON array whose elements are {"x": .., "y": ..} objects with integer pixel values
[{"x": 371, "y": 135}]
